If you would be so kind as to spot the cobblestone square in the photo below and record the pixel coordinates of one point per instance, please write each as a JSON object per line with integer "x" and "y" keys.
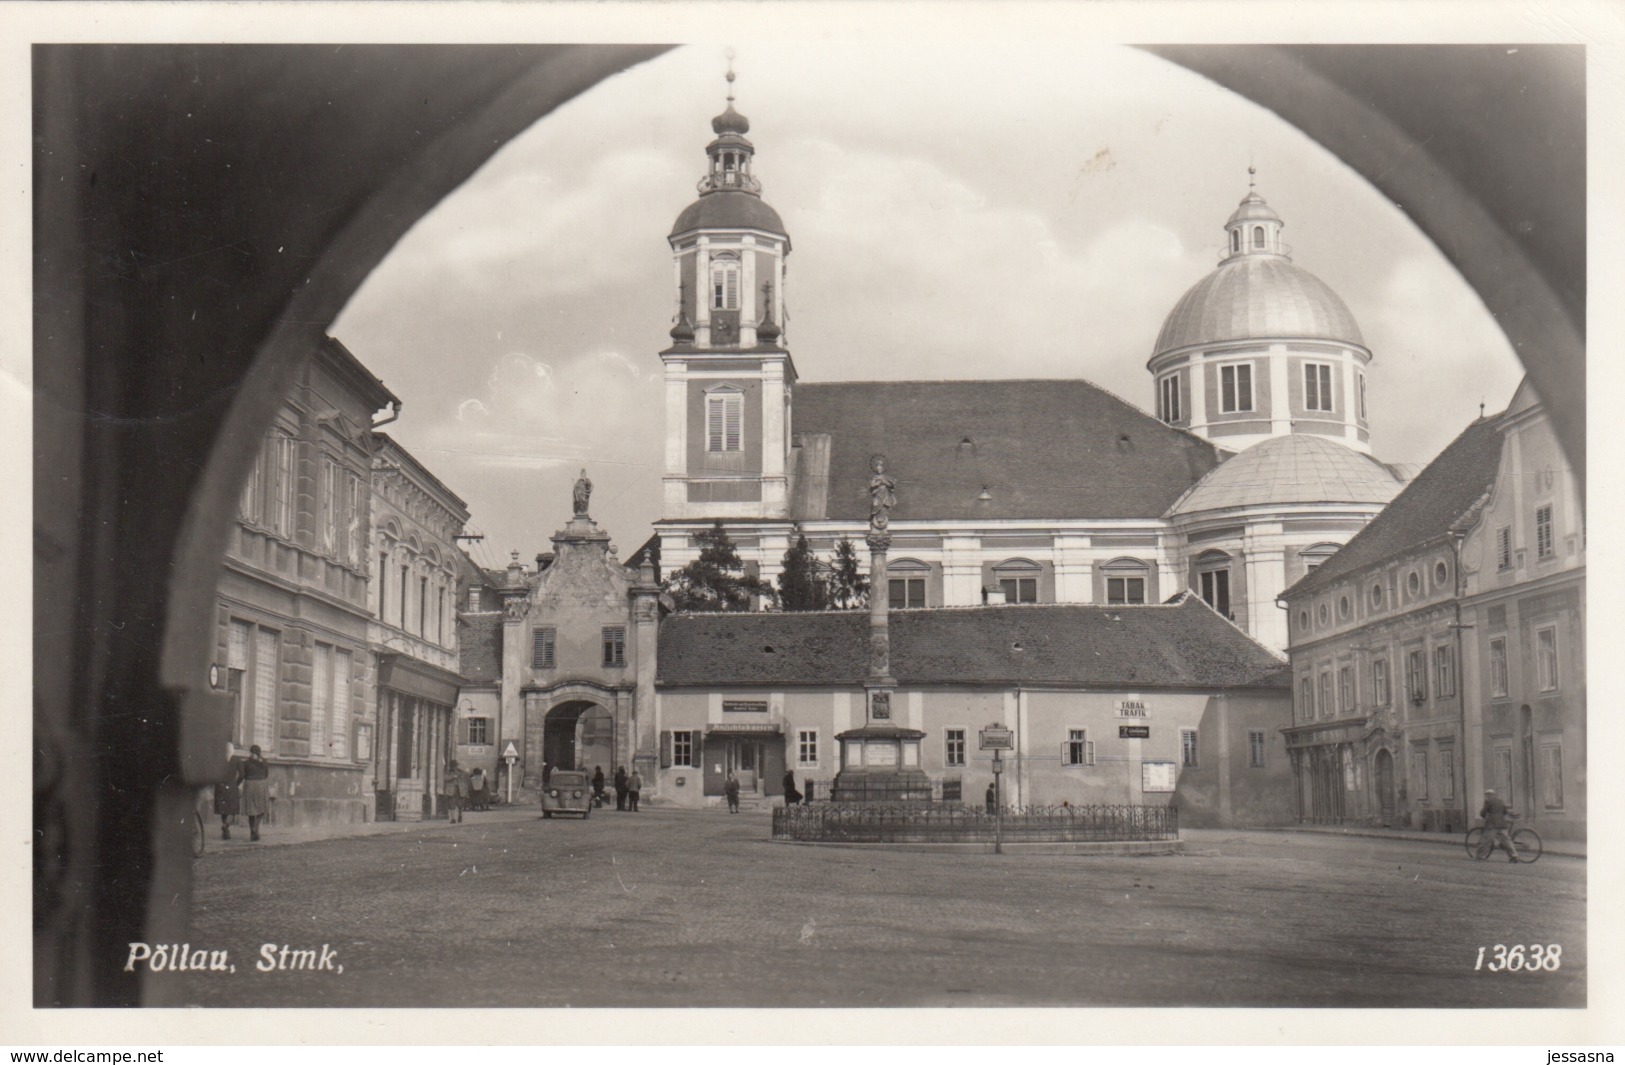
{"x": 673, "y": 908}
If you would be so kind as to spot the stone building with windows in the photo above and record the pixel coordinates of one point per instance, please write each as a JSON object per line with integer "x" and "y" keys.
{"x": 1257, "y": 463}
{"x": 294, "y": 647}
{"x": 560, "y": 660}
{"x": 416, "y": 566}
{"x": 1141, "y": 704}
{"x": 1442, "y": 650}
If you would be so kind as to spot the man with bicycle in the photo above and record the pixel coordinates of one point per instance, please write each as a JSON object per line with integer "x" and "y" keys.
{"x": 1496, "y": 823}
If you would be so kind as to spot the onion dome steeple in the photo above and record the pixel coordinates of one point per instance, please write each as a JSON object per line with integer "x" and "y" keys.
{"x": 730, "y": 195}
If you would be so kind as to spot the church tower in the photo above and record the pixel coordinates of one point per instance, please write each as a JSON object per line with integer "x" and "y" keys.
{"x": 729, "y": 376}
{"x": 1262, "y": 348}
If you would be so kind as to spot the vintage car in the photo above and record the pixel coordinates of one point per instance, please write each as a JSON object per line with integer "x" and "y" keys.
{"x": 567, "y": 792}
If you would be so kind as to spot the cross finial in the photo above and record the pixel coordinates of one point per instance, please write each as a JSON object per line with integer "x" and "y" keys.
{"x": 730, "y": 74}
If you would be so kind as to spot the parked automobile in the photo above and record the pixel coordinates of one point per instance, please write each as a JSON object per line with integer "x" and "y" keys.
{"x": 568, "y": 792}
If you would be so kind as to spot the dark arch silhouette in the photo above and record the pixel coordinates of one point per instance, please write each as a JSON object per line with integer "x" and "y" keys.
{"x": 202, "y": 213}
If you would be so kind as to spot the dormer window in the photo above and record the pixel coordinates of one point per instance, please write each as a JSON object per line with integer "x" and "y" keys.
{"x": 725, "y": 283}
{"x": 724, "y": 422}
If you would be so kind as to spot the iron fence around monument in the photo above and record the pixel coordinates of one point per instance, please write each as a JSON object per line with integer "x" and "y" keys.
{"x": 918, "y": 823}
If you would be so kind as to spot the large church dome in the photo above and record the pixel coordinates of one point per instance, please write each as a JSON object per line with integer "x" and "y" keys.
{"x": 1291, "y": 470}
{"x": 1251, "y": 297}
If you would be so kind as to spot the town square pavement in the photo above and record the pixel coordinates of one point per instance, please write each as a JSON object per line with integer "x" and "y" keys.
{"x": 699, "y": 908}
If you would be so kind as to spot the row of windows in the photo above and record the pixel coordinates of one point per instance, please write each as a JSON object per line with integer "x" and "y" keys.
{"x": 1077, "y": 750}
{"x": 253, "y": 671}
{"x": 397, "y": 595}
{"x": 1545, "y": 549}
{"x": 1419, "y": 671}
{"x": 1236, "y": 390}
{"x": 1445, "y": 775}
{"x": 544, "y": 642}
{"x": 269, "y": 497}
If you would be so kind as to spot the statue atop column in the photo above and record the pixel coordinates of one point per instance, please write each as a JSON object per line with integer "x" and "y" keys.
{"x": 582, "y": 493}
{"x": 882, "y": 495}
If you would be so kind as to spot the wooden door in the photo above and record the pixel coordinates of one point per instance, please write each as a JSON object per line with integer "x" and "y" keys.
{"x": 1385, "y": 786}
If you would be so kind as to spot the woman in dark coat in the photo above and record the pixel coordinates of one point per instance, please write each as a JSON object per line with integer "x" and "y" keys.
{"x": 255, "y": 775}
{"x": 227, "y": 794}
{"x": 598, "y": 784}
{"x": 792, "y": 797}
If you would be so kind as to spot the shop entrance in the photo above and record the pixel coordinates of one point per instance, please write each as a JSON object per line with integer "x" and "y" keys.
{"x": 756, "y": 761}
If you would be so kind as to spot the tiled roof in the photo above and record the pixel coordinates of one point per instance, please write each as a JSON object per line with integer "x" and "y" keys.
{"x": 1042, "y": 449}
{"x": 1253, "y": 297}
{"x": 1292, "y": 469}
{"x": 1445, "y": 490}
{"x": 1183, "y": 644}
{"x": 479, "y": 647}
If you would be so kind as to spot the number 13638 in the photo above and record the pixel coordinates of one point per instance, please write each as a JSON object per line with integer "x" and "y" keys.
{"x": 1519, "y": 958}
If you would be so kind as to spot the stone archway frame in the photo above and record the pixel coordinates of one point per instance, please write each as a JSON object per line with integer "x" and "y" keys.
{"x": 619, "y": 700}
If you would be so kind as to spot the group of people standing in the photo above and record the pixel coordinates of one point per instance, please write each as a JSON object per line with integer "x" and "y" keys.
{"x": 628, "y": 787}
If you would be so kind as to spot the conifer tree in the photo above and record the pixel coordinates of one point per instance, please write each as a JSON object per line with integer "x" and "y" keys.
{"x": 801, "y": 586}
{"x": 848, "y": 588}
{"x": 717, "y": 579}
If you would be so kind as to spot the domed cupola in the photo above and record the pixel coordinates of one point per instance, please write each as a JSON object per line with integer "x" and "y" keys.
{"x": 730, "y": 248}
{"x": 1261, "y": 347}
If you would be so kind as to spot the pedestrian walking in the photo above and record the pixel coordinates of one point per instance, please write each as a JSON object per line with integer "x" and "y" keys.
{"x": 228, "y": 801}
{"x": 479, "y": 798}
{"x": 731, "y": 790}
{"x": 254, "y": 781}
{"x": 598, "y": 785}
{"x": 993, "y": 798}
{"x": 456, "y": 794}
{"x": 634, "y": 785}
{"x": 792, "y": 797}
{"x": 620, "y": 788}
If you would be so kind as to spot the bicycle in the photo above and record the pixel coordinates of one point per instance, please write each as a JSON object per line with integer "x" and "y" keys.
{"x": 1525, "y": 841}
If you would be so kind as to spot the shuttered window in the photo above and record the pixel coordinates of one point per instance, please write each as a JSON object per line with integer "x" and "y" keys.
{"x": 265, "y": 689}
{"x": 725, "y": 422}
{"x": 542, "y": 648}
{"x": 321, "y": 700}
{"x": 338, "y": 737}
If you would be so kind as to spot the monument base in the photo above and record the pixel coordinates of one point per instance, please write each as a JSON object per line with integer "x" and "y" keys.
{"x": 882, "y": 784}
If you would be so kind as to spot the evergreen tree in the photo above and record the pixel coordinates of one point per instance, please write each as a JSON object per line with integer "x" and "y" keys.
{"x": 801, "y": 586}
{"x": 717, "y": 579}
{"x": 848, "y": 588}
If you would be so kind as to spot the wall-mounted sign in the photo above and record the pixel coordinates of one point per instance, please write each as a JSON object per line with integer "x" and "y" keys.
{"x": 997, "y": 738}
{"x": 744, "y": 708}
{"x": 1158, "y": 776}
{"x": 735, "y": 728}
{"x": 1131, "y": 708}
{"x": 1133, "y": 732}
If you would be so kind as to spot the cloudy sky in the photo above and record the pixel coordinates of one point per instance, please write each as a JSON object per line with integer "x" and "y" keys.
{"x": 955, "y": 211}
